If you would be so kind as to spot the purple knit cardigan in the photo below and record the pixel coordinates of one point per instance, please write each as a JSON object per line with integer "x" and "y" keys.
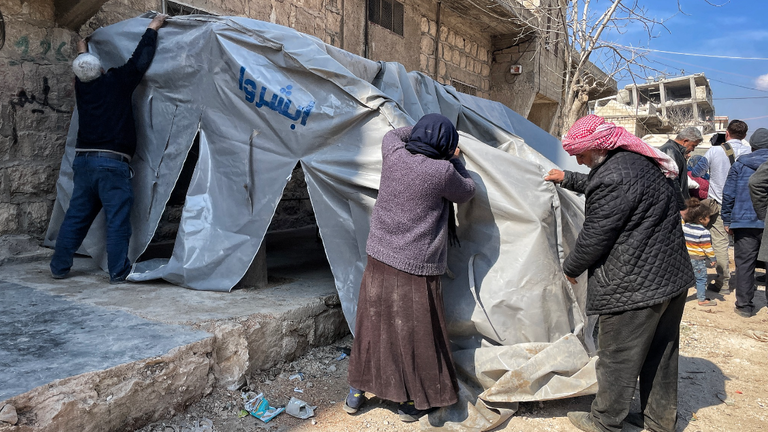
{"x": 409, "y": 221}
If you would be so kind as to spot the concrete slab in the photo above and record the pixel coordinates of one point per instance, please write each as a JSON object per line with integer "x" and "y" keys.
{"x": 295, "y": 260}
{"x": 47, "y": 337}
{"x": 81, "y": 354}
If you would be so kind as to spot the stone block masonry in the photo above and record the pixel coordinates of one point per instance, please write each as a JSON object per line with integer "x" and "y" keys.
{"x": 36, "y": 102}
{"x": 463, "y": 54}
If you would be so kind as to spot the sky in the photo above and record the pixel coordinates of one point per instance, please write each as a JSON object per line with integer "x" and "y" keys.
{"x": 738, "y": 28}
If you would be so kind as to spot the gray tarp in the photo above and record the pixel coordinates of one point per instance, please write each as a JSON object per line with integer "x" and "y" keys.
{"x": 263, "y": 97}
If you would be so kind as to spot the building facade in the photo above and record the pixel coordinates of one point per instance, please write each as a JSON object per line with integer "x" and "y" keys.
{"x": 661, "y": 106}
{"x": 504, "y": 50}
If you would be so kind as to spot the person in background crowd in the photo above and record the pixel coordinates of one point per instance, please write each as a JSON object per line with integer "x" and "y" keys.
{"x": 678, "y": 150}
{"x": 758, "y": 192}
{"x": 106, "y": 142}
{"x": 401, "y": 350}
{"x": 718, "y": 160}
{"x": 699, "y": 245}
{"x": 632, "y": 247}
{"x": 741, "y": 220}
{"x": 702, "y": 190}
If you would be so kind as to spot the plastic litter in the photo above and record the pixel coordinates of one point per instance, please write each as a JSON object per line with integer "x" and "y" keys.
{"x": 299, "y": 376}
{"x": 204, "y": 425}
{"x": 342, "y": 356}
{"x": 300, "y": 409}
{"x": 298, "y": 390}
{"x": 258, "y": 407}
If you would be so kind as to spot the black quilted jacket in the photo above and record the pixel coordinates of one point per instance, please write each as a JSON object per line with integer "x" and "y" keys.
{"x": 632, "y": 240}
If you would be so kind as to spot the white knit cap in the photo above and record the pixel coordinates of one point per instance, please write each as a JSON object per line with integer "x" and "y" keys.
{"x": 87, "y": 67}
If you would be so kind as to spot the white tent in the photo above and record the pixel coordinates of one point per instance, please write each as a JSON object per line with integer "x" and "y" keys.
{"x": 263, "y": 97}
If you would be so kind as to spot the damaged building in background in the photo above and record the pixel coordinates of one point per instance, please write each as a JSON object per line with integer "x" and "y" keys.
{"x": 661, "y": 106}
{"x": 503, "y": 50}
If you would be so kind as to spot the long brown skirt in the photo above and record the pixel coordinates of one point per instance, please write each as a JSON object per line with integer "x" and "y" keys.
{"x": 401, "y": 350}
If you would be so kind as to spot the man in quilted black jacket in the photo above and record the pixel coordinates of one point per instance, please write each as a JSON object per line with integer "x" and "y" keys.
{"x": 632, "y": 248}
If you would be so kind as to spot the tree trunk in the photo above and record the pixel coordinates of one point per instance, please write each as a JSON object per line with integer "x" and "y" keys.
{"x": 574, "y": 111}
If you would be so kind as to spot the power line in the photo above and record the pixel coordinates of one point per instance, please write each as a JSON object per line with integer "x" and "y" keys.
{"x": 700, "y": 67}
{"x": 714, "y": 79}
{"x": 723, "y": 82}
{"x": 735, "y": 98}
{"x": 686, "y": 54}
{"x": 755, "y": 118}
{"x": 736, "y": 85}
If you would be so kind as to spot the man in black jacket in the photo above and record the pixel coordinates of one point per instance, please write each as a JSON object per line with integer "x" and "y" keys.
{"x": 632, "y": 247}
{"x": 678, "y": 149}
{"x": 106, "y": 142}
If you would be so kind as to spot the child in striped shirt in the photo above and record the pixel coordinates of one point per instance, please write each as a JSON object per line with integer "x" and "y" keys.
{"x": 699, "y": 244}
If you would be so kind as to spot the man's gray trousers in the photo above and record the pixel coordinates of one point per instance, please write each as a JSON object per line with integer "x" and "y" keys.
{"x": 643, "y": 342}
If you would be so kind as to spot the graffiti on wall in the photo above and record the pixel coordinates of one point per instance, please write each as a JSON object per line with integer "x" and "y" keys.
{"x": 2, "y": 30}
{"x": 22, "y": 99}
{"x": 22, "y": 44}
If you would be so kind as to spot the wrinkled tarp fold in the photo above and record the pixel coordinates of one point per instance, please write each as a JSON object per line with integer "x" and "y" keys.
{"x": 262, "y": 98}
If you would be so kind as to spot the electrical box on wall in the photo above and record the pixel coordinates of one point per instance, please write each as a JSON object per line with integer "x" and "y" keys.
{"x": 516, "y": 69}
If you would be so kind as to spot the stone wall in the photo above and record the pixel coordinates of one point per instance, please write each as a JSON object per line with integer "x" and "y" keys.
{"x": 295, "y": 208}
{"x": 463, "y": 55}
{"x": 623, "y": 115}
{"x": 36, "y": 102}
{"x": 541, "y": 80}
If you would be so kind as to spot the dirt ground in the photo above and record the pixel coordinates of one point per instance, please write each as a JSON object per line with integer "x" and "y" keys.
{"x": 723, "y": 386}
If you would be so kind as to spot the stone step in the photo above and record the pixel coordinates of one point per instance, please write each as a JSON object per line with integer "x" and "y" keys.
{"x": 80, "y": 354}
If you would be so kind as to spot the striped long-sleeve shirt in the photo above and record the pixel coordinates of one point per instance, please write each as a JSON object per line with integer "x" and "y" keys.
{"x": 699, "y": 242}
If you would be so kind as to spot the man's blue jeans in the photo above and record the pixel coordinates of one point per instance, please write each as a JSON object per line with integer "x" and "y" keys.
{"x": 99, "y": 182}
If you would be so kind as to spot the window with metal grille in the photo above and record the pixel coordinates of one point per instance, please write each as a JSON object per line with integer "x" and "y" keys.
{"x": 175, "y": 9}
{"x": 387, "y": 13}
{"x": 464, "y": 88}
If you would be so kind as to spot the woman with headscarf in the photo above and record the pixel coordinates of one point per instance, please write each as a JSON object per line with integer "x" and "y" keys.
{"x": 401, "y": 350}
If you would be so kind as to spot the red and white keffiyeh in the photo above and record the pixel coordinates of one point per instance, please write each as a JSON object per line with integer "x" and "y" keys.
{"x": 593, "y": 132}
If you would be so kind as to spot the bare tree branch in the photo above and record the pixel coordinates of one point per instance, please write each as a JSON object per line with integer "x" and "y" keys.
{"x": 582, "y": 26}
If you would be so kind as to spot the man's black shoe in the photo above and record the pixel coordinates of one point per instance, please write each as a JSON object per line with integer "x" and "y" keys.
{"x": 583, "y": 421}
{"x": 59, "y": 276}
